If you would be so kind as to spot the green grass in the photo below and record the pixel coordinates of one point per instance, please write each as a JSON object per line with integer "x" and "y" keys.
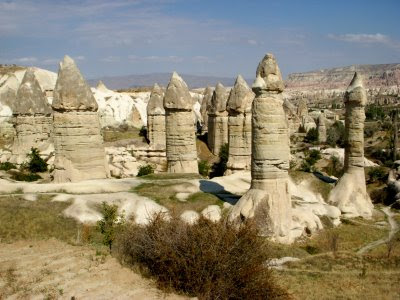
{"x": 166, "y": 176}
{"x": 317, "y": 185}
{"x": 164, "y": 193}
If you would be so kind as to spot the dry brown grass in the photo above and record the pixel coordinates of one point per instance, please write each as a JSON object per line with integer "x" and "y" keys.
{"x": 208, "y": 260}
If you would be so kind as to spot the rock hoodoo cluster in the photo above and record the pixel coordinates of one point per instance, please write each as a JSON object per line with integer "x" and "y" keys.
{"x": 156, "y": 119}
{"x": 180, "y": 131}
{"x": 350, "y": 194}
{"x": 32, "y": 119}
{"x": 218, "y": 120}
{"x": 268, "y": 199}
{"x": 79, "y": 148}
{"x": 239, "y": 126}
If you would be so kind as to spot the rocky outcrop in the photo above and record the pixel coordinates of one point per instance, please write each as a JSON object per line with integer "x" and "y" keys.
{"x": 205, "y": 107}
{"x": 156, "y": 119}
{"x": 324, "y": 88}
{"x": 322, "y": 128}
{"x": 306, "y": 121}
{"x": 268, "y": 200}
{"x": 350, "y": 194}
{"x": 79, "y": 149}
{"x": 239, "y": 126}
{"x": 180, "y": 130}
{"x": 32, "y": 119}
{"x": 218, "y": 120}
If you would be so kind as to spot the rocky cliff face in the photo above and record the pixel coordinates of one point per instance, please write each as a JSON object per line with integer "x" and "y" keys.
{"x": 326, "y": 87}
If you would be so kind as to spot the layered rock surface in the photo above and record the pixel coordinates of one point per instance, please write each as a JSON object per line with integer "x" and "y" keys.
{"x": 350, "y": 194}
{"x": 322, "y": 128}
{"x": 218, "y": 120}
{"x": 268, "y": 199}
{"x": 156, "y": 119}
{"x": 32, "y": 119}
{"x": 79, "y": 149}
{"x": 180, "y": 131}
{"x": 239, "y": 126}
{"x": 205, "y": 107}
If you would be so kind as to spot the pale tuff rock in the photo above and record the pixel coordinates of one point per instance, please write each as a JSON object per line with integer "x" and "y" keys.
{"x": 205, "y": 107}
{"x": 79, "y": 149}
{"x": 307, "y": 122}
{"x": 180, "y": 130}
{"x": 32, "y": 119}
{"x": 268, "y": 199}
{"x": 156, "y": 119}
{"x": 72, "y": 93}
{"x": 322, "y": 128}
{"x": 239, "y": 126}
{"x": 291, "y": 116}
{"x": 102, "y": 87}
{"x": 350, "y": 194}
{"x": 218, "y": 120}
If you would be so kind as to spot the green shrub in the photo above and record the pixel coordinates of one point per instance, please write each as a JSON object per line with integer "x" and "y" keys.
{"x": 210, "y": 260}
{"x": 145, "y": 170}
{"x": 374, "y": 112}
{"x": 377, "y": 174}
{"x": 204, "y": 168}
{"x": 6, "y": 166}
{"x": 23, "y": 176}
{"x": 219, "y": 168}
{"x": 110, "y": 223}
{"x": 311, "y": 158}
{"x": 36, "y": 163}
{"x": 336, "y": 134}
{"x": 311, "y": 136}
{"x": 143, "y": 131}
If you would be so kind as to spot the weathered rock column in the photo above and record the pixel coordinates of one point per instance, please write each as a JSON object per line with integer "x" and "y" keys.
{"x": 156, "y": 119}
{"x": 239, "y": 126}
{"x": 218, "y": 120}
{"x": 32, "y": 119}
{"x": 268, "y": 199}
{"x": 79, "y": 148}
{"x": 180, "y": 129}
{"x": 322, "y": 128}
{"x": 350, "y": 194}
{"x": 205, "y": 106}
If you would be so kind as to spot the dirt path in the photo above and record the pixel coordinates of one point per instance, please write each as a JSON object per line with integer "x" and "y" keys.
{"x": 394, "y": 227}
{"x": 55, "y": 270}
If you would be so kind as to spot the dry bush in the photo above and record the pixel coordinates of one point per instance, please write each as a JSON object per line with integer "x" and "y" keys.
{"x": 208, "y": 260}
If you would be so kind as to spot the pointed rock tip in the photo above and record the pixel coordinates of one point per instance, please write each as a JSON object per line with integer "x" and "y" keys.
{"x": 269, "y": 71}
{"x": 355, "y": 82}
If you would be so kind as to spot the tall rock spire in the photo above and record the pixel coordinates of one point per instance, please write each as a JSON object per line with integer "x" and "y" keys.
{"x": 180, "y": 131}
{"x": 268, "y": 199}
{"x": 156, "y": 118}
{"x": 218, "y": 120}
{"x": 350, "y": 194}
{"x": 79, "y": 147}
{"x": 239, "y": 126}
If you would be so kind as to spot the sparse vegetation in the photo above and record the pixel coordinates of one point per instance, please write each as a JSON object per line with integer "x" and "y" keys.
{"x": 36, "y": 163}
{"x": 377, "y": 174}
{"x": 110, "y": 223}
{"x": 6, "y": 166}
{"x": 145, "y": 170}
{"x": 219, "y": 168}
{"x": 311, "y": 158}
{"x": 208, "y": 260}
{"x": 335, "y": 135}
{"x": 311, "y": 136}
{"x": 204, "y": 168}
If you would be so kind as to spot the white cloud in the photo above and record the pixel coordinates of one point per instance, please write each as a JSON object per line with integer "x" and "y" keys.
{"x": 155, "y": 58}
{"x": 252, "y": 42}
{"x": 364, "y": 38}
{"x": 79, "y": 57}
{"x": 110, "y": 59}
{"x": 25, "y": 60}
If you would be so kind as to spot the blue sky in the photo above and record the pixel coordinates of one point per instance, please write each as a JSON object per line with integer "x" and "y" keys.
{"x": 200, "y": 37}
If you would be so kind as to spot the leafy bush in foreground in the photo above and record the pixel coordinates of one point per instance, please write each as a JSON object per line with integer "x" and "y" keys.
{"x": 36, "y": 163}
{"x": 6, "y": 166}
{"x": 208, "y": 260}
{"x": 204, "y": 168}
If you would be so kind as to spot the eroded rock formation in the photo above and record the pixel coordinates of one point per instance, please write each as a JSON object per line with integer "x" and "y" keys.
{"x": 350, "y": 194}
{"x": 180, "y": 129}
{"x": 239, "y": 126}
{"x": 32, "y": 119}
{"x": 79, "y": 148}
{"x": 322, "y": 128}
{"x": 156, "y": 119}
{"x": 268, "y": 199}
{"x": 218, "y": 120}
{"x": 205, "y": 106}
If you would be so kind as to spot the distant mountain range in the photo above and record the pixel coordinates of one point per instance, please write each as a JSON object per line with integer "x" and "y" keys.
{"x": 130, "y": 81}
